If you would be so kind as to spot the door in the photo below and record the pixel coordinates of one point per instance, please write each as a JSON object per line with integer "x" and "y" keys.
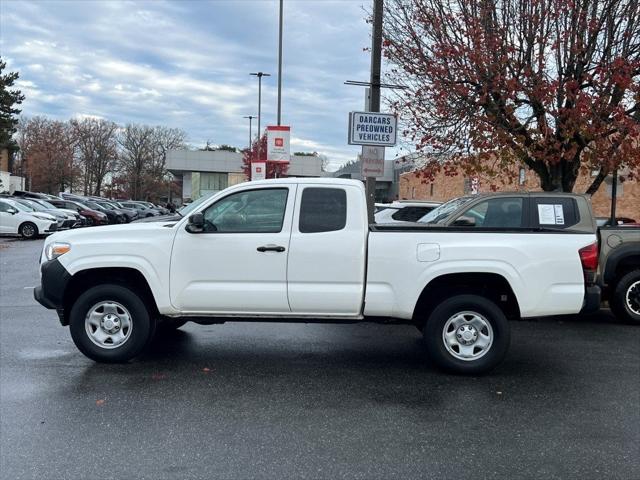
{"x": 8, "y": 221}
{"x": 238, "y": 264}
{"x": 327, "y": 252}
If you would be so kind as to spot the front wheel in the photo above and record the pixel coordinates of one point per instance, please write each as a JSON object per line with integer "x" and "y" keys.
{"x": 28, "y": 230}
{"x": 110, "y": 323}
{"x": 625, "y": 301}
{"x": 467, "y": 334}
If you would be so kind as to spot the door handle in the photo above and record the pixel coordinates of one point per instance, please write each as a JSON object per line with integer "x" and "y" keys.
{"x": 271, "y": 248}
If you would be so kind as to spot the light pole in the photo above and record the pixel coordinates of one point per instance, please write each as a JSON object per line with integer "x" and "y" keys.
{"x": 280, "y": 66}
{"x": 259, "y": 75}
{"x": 250, "y": 117}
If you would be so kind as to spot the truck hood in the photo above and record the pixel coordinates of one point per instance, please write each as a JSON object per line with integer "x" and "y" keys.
{"x": 112, "y": 233}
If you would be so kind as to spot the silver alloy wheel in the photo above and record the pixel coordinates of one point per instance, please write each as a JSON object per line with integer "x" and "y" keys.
{"x": 467, "y": 335}
{"x": 632, "y": 297}
{"x": 28, "y": 230}
{"x": 108, "y": 324}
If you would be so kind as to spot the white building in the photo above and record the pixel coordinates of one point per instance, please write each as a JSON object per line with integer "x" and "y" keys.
{"x": 205, "y": 172}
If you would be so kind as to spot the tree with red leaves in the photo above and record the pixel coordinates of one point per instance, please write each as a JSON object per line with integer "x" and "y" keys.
{"x": 274, "y": 169}
{"x": 552, "y": 85}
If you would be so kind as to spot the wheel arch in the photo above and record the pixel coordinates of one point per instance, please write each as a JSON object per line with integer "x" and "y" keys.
{"x": 621, "y": 261}
{"x": 128, "y": 277}
{"x": 491, "y": 286}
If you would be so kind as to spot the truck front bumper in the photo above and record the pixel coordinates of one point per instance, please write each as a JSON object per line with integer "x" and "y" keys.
{"x": 591, "y": 302}
{"x": 50, "y": 294}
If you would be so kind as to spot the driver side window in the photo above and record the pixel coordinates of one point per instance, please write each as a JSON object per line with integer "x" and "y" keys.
{"x": 252, "y": 211}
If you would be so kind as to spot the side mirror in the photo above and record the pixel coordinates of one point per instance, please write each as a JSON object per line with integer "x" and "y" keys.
{"x": 12, "y": 211}
{"x": 465, "y": 222}
{"x": 196, "y": 223}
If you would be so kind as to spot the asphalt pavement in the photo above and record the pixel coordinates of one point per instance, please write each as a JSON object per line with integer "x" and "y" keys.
{"x": 276, "y": 401}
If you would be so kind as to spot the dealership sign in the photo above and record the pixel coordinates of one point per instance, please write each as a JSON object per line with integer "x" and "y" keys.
{"x": 278, "y": 144}
{"x": 372, "y": 161}
{"x": 258, "y": 170}
{"x": 370, "y": 128}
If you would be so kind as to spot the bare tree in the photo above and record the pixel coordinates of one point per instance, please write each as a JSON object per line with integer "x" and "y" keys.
{"x": 47, "y": 154}
{"x": 143, "y": 158}
{"x": 97, "y": 146}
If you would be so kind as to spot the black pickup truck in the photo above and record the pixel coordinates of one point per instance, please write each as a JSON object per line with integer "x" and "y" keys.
{"x": 619, "y": 268}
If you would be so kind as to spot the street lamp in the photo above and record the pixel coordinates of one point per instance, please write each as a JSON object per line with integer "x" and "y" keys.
{"x": 259, "y": 75}
{"x": 250, "y": 117}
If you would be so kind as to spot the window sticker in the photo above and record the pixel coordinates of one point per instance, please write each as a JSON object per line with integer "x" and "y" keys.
{"x": 550, "y": 215}
{"x": 546, "y": 215}
{"x": 559, "y": 211}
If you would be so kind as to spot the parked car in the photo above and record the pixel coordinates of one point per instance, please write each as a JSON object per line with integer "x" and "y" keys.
{"x": 113, "y": 216}
{"x": 295, "y": 249}
{"x": 78, "y": 220}
{"x": 142, "y": 210}
{"x": 16, "y": 219}
{"x": 148, "y": 206}
{"x": 403, "y": 211}
{"x": 619, "y": 270}
{"x": 160, "y": 209}
{"x": 126, "y": 215}
{"x": 64, "y": 220}
{"x": 93, "y": 217}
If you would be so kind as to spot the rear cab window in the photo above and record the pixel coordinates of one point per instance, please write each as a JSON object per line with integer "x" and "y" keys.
{"x": 554, "y": 212}
{"x": 322, "y": 210}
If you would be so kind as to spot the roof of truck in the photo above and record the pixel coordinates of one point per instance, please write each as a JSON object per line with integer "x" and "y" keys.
{"x": 309, "y": 180}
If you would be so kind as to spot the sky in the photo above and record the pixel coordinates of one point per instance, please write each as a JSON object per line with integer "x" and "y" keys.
{"x": 186, "y": 64}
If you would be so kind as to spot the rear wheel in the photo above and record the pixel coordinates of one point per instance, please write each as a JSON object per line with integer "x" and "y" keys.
{"x": 110, "y": 323}
{"x": 467, "y": 334}
{"x": 28, "y": 230}
{"x": 625, "y": 301}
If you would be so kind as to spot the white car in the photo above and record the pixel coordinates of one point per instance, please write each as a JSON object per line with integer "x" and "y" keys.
{"x": 16, "y": 219}
{"x": 403, "y": 211}
{"x": 302, "y": 250}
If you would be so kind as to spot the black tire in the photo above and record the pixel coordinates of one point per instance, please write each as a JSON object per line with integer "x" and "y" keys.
{"x": 28, "y": 230}
{"x": 627, "y": 286}
{"x": 142, "y": 324}
{"x": 485, "y": 311}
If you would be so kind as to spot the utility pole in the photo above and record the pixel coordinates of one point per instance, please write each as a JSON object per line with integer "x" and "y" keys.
{"x": 374, "y": 101}
{"x": 259, "y": 75}
{"x": 280, "y": 67}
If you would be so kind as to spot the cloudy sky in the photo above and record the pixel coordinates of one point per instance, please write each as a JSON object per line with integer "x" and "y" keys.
{"x": 186, "y": 64}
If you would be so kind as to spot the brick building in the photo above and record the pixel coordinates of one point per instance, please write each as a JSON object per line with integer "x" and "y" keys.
{"x": 413, "y": 187}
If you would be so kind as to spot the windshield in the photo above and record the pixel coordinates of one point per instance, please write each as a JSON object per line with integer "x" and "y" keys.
{"x": 187, "y": 209}
{"x": 93, "y": 205}
{"x": 46, "y": 204}
{"x": 35, "y": 205}
{"x": 21, "y": 207}
{"x": 439, "y": 214}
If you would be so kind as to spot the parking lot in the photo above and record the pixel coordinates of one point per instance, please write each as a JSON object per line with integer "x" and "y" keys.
{"x": 262, "y": 400}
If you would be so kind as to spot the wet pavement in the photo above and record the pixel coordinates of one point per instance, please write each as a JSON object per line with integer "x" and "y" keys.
{"x": 274, "y": 401}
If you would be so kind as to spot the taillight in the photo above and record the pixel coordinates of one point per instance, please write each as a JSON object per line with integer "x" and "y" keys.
{"x": 589, "y": 259}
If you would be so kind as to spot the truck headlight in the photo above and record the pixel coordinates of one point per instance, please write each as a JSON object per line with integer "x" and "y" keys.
{"x": 55, "y": 249}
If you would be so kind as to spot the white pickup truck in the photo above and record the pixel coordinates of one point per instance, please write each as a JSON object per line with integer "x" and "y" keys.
{"x": 301, "y": 250}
